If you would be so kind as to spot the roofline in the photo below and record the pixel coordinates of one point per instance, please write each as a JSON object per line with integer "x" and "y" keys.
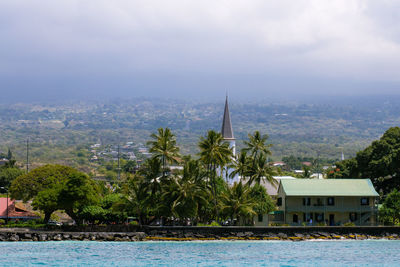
{"x": 376, "y": 194}
{"x": 332, "y": 195}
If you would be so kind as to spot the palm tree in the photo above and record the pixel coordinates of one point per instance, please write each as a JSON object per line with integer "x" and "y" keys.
{"x": 214, "y": 152}
{"x": 237, "y": 202}
{"x": 164, "y": 147}
{"x": 261, "y": 171}
{"x": 151, "y": 172}
{"x": 135, "y": 198}
{"x": 153, "y": 183}
{"x": 183, "y": 197}
{"x": 241, "y": 165}
{"x": 257, "y": 144}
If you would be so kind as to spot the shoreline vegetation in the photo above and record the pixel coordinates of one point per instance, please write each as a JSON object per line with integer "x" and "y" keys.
{"x": 209, "y": 234}
{"x": 171, "y": 189}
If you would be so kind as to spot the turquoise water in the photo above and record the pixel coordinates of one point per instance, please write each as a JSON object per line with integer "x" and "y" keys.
{"x": 221, "y": 253}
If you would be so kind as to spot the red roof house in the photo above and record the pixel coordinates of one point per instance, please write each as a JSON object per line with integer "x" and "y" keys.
{"x": 15, "y": 211}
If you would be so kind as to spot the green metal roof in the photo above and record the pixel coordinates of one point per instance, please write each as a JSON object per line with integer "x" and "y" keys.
{"x": 328, "y": 187}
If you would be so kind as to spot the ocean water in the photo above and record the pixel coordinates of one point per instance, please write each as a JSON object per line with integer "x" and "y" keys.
{"x": 207, "y": 253}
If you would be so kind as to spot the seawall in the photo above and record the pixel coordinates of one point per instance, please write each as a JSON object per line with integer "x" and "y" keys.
{"x": 201, "y": 233}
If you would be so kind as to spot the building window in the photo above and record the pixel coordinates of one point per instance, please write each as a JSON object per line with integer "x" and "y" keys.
{"x": 279, "y": 202}
{"x": 307, "y": 217}
{"x": 331, "y": 201}
{"x": 319, "y": 217}
{"x": 365, "y": 201}
{"x": 306, "y": 201}
{"x": 260, "y": 217}
{"x": 319, "y": 202}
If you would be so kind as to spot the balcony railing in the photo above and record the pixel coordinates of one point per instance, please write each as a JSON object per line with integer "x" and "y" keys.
{"x": 331, "y": 209}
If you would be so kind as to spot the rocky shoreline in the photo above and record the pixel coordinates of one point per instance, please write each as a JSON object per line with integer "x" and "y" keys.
{"x": 193, "y": 234}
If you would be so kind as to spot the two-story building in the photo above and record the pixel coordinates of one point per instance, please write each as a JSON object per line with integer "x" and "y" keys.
{"x": 327, "y": 202}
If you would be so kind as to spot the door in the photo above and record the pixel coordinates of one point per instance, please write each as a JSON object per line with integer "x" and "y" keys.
{"x": 331, "y": 219}
{"x": 295, "y": 218}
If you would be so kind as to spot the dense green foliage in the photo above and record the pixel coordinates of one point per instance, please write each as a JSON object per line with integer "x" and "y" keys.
{"x": 55, "y": 187}
{"x": 7, "y": 175}
{"x": 390, "y": 210}
{"x": 197, "y": 193}
{"x": 380, "y": 162}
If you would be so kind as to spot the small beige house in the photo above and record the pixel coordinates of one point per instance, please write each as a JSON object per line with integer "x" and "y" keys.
{"x": 326, "y": 202}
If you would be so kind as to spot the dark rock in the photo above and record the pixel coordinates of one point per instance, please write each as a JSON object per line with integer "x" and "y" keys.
{"x": 140, "y": 235}
{"x": 110, "y": 237}
{"x": 14, "y": 238}
{"x": 66, "y": 236}
{"x": 188, "y": 235}
{"x": 3, "y": 238}
{"x": 102, "y": 236}
{"x": 76, "y": 237}
{"x": 28, "y": 236}
{"x": 42, "y": 237}
{"x": 248, "y": 233}
{"x": 57, "y": 237}
{"x": 282, "y": 235}
{"x": 324, "y": 234}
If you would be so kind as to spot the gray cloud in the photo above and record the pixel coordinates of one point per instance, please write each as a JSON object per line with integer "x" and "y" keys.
{"x": 187, "y": 47}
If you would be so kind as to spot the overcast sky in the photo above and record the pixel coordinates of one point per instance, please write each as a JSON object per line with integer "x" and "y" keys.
{"x": 250, "y": 48}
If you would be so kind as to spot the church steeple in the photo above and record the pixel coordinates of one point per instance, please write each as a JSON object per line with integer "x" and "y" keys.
{"x": 226, "y": 131}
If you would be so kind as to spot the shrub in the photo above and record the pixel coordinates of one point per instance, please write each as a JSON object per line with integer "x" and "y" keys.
{"x": 279, "y": 224}
{"x": 134, "y": 223}
{"x": 349, "y": 224}
{"x": 213, "y": 224}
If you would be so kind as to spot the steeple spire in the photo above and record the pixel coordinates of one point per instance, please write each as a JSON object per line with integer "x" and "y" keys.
{"x": 226, "y": 131}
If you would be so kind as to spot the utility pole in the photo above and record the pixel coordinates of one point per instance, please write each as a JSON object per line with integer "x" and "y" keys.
{"x": 27, "y": 155}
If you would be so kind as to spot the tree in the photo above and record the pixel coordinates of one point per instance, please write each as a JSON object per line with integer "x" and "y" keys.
{"x": 146, "y": 188}
{"x": 306, "y": 172}
{"x": 186, "y": 192}
{"x": 261, "y": 171}
{"x": 104, "y": 212}
{"x": 54, "y": 187}
{"x": 135, "y": 199}
{"x": 390, "y": 211}
{"x": 237, "y": 202}
{"x": 151, "y": 171}
{"x": 93, "y": 213}
{"x": 27, "y": 186}
{"x": 129, "y": 166}
{"x": 9, "y": 154}
{"x": 214, "y": 152}
{"x": 7, "y": 175}
{"x": 47, "y": 201}
{"x": 380, "y": 162}
{"x": 264, "y": 203}
{"x": 183, "y": 197}
{"x": 241, "y": 165}
{"x": 77, "y": 192}
{"x": 257, "y": 144}
{"x": 164, "y": 147}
